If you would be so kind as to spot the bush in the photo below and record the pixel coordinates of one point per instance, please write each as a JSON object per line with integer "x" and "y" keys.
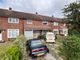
{"x": 71, "y": 48}
{"x": 20, "y": 41}
{"x": 74, "y": 32}
{"x": 16, "y": 50}
{"x": 9, "y": 53}
{"x": 12, "y": 53}
{"x": 2, "y": 52}
{"x": 42, "y": 37}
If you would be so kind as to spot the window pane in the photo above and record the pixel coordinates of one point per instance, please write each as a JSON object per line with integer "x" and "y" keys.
{"x": 36, "y": 43}
{"x": 55, "y": 23}
{"x": 13, "y": 33}
{"x": 29, "y": 21}
{"x": 13, "y": 20}
{"x": 45, "y": 22}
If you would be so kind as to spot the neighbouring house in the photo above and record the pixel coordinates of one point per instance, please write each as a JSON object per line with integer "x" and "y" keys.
{"x": 14, "y": 23}
{"x": 59, "y": 27}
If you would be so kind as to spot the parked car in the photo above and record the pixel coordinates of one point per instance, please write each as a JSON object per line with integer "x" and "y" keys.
{"x": 35, "y": 47}
{"x": 50, "y": 37}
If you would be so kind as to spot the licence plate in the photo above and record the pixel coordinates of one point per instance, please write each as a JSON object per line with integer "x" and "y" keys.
{"x": 40, "y": 54}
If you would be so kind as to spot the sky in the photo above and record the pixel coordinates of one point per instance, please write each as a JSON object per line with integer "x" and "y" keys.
{"x": 43, "y": 7}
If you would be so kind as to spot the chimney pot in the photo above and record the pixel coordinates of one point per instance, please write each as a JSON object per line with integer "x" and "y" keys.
{"x": 10, "y": 8}
{"x": 36, "y": 12}
{"x": 52, "y": 16}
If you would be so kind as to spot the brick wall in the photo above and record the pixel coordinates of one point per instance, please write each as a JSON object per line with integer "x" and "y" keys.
{"x": 22, "y": 23}
{"x": 5, "y": 25}
{"x": 36, "y": 23}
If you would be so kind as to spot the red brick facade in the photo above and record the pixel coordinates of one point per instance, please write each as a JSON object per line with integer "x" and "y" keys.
{"x": 5, "y": 25}
{"x": 37, "y": 25}
{"x": 22, "y": 25}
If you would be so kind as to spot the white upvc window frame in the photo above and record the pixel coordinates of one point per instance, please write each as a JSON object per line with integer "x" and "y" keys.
{"x": 29, "y": 21}
{"x": 55, "y": 23}
{"x": 12, "y": 33}
{"x": 45, "y": 22}
{"x": 56, "y": 31}
{"x": 13, "y": 20}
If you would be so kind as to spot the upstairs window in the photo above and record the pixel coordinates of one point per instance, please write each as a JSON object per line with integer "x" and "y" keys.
{"x": 29, "y": 21}
{"x": 45, "y": 22}
{"x": 13, "y": 20}
{"x": 55, "y": 23}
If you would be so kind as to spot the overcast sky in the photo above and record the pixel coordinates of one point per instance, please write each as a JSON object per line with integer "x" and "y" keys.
{"x": 43, "y": 7}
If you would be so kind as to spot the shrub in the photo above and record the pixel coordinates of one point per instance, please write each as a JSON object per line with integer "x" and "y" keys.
{"x": 2, "y": 52}
{"x": 74, "y": 32}
{"x": 20, "y": 41}
{"x": 16, "y": 50}
{"x": 71, "y": 48}
{"x": 12, "y": 53}
{"x": 9, "y": 52}
{"x": 42, "y": 37}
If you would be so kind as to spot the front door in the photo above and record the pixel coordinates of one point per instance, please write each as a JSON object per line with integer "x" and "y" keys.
{"x": 0, "y": 36}
{"x": 29, "y": 34}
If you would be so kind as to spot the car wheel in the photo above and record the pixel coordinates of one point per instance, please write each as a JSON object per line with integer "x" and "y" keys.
{"x": 33, "y": 56}
{"x": 48, "y": 51}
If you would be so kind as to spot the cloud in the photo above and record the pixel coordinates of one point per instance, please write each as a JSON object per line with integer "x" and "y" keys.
{"x": 43, "y": 7}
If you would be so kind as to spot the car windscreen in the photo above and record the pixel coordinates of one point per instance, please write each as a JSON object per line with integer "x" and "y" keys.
{"x": 36, "y": 43}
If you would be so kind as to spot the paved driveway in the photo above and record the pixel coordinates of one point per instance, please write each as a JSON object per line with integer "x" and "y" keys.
{"x": 49, "y": 57}
{"x": 46, "y": 57}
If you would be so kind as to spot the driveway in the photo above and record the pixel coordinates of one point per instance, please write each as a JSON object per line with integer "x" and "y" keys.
{"x": 49, "y": 57}
{"x": 46, "y": 57}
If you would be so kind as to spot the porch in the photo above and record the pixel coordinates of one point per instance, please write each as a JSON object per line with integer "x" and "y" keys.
{"x": 34, "y": 31}
{"x": 30, "y": 34}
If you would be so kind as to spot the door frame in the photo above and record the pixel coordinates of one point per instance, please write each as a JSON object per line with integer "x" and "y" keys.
{"x": 26, "y": 36}
{"x": 0, "y": 36}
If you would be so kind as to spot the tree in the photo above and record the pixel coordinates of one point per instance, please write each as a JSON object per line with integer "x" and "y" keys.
{"x": 71, "y": 48}
{"x": 72, "y": 12}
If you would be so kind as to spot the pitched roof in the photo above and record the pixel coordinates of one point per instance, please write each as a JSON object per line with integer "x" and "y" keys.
{"x": 57, "y": 19}
{"x": 17, "y": 14}
{"x": 11, "y": 13}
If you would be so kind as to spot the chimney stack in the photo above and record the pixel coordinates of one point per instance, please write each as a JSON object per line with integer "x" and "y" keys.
{"x": 10, "y": 8}
{"x": 36, "y": 12}
{"x": 52, "y": 16}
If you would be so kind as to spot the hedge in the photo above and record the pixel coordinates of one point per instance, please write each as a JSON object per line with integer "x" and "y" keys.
{"x": 71, "y": 48}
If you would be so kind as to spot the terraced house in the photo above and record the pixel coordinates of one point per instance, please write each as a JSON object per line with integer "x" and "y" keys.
{"x": 14, "y": 23}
